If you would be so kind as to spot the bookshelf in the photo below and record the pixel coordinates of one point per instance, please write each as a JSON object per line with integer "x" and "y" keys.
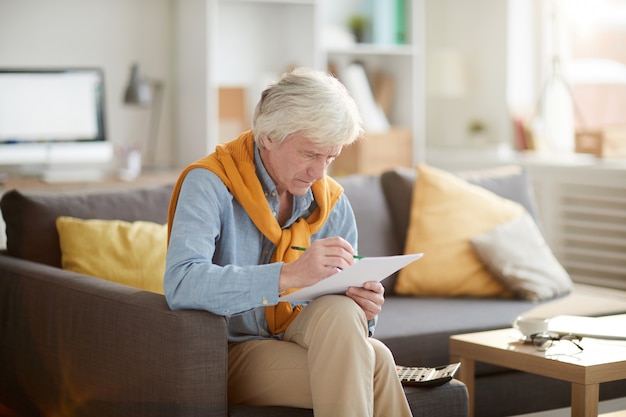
{"x": 402, "y": 61}
{"x": 244, "y": 44}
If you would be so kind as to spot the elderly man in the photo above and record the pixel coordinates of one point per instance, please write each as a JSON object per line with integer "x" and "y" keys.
{"x": 233, "y": 220}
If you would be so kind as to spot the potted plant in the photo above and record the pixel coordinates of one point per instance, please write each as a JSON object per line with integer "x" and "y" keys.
{"x": 357, "y": 24}
{"x": 477, "y": 129}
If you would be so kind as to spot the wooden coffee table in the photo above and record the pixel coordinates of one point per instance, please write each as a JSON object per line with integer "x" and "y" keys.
{"x": 601, "y": 361}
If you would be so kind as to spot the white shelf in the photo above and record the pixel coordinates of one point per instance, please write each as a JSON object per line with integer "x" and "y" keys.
{"x": 310, "y": 2}
{"x": 373, "y": 49}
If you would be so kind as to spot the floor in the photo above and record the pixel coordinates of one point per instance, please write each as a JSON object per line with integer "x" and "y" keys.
{"x": 610, "y": 408}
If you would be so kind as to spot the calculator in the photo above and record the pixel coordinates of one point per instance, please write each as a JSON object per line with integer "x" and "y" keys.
{"x": 426, "y": 376}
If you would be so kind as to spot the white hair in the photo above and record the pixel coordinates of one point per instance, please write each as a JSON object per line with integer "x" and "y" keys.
{"x": 308, "y": 102}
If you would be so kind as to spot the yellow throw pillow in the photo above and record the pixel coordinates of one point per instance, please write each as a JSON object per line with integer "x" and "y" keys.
{"x": 132, "y": 254}
{"x": 446, "y": 212}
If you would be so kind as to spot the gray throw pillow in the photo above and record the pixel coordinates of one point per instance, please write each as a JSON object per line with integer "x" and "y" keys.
{"x": 516, "y": 253}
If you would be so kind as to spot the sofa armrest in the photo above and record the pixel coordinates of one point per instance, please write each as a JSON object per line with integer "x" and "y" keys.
{"x": 78, "y": 345}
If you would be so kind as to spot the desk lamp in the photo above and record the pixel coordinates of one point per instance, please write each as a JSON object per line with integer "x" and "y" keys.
{"x": 146, "y": 93}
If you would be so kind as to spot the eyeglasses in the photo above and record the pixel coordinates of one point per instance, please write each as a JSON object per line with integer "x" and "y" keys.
{"x": 543, "y": 341}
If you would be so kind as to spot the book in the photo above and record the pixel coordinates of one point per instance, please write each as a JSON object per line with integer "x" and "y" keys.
{"x": 521, "y": 143}
{"x": 355, "y": 79}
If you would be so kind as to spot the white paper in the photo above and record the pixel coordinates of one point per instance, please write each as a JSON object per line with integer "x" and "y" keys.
{"x": 362, "y": 271}
{"x": 608, "y": 327}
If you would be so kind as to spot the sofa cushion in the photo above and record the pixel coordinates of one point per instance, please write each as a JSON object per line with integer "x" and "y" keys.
{"x": 128, "y": 253}
{"x": 417, "y": 329}
{"x": 517, "y": 254}
{"x": 446, "y": 212}
{"x": 448, "y": 400}
{"x": 376, "y": 234}
{"x": 374, "y": 223}
{"x": 30, "y": 218}
{"x": 510, "y": 182}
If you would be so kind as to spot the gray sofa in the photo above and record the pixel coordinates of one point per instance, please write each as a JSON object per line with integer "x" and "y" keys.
{"x": 77, "y": 345}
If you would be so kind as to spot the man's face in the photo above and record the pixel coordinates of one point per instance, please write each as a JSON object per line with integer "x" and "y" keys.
{"x": 297, "y": 163}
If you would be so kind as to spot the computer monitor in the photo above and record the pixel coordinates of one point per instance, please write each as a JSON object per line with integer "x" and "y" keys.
{"x": 53, "y": 119}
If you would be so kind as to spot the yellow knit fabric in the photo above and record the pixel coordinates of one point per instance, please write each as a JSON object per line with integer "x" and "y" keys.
{"x": 233, "y": 162}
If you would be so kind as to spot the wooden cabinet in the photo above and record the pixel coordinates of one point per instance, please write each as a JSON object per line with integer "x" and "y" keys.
{"x": 375, "y": 153}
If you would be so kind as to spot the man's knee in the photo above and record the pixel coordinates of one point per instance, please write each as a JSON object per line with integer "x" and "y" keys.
{"x": 338, "y": 307}
{"x": 383, "y": 355}
{"x": 335, "y": 315}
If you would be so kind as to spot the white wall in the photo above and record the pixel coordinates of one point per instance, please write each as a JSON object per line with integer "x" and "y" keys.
{"x": 195, "y": 33}
{"x": 475, "y": 30}
{"x": 111, "y": 34}
{"x": 170, "y": 39}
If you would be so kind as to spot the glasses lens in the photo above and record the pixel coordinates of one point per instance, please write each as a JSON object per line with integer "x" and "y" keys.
{"x": 542, "y": 341}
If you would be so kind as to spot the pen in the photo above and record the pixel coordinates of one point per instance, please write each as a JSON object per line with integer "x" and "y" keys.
{"x": 303, "y": 249}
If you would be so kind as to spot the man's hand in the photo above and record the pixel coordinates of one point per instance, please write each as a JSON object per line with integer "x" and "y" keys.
{"x": 324, "y": 258}
{"x": 370, "y": 297}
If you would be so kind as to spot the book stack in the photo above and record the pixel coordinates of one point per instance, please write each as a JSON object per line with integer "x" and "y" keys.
{"x": 388, "y": 18}
{"x": 355, "y": 79}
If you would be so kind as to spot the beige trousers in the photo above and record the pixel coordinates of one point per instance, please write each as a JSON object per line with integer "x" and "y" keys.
{"x": 326, "y": 361}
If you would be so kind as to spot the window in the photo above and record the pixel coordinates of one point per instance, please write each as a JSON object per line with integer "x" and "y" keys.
{"x": 566, "y": 70}
{"x": 595, "y": 53}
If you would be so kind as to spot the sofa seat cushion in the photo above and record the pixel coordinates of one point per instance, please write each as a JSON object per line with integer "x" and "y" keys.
{"x": 30, "y": 218}
{"x": 584, "y": 300}
{"x": 450, "y": 400}
{"x": 417, "y": 330}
